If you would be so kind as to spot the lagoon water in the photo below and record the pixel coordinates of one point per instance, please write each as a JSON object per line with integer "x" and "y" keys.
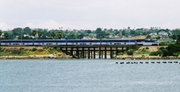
{"x": 87, "y": 76}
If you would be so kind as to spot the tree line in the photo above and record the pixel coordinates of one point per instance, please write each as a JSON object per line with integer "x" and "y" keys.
{"x": 99, "y": 33}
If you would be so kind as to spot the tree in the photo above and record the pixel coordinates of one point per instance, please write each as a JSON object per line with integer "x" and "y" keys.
{"x": 39, "y": 34}
{"x": 0, "y": 33}
{"x": 80, "y": 36}
{"x": 53, "y": 34}
{"x": 17, "y": 32}
{"x": 71, "y": 36}
{"x": 176, "y": 32}
{"x": 165, "y": 52}
{"x": 178, "y": 40}
{"x": 6, "y": 35}
{"x": 99, "y": 33}
{"x": 34, "y": 33}
{"x": 60, "y": 35}
{"x": 27, "y": 30}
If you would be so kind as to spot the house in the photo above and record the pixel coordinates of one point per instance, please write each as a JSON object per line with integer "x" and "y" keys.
{"x": 153, "y": 35}
{"x": 163, "y": 35}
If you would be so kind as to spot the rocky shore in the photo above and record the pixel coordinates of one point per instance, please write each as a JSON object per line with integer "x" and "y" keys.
{"x": 37, "y": 57}
{"x": 70, "y": 57}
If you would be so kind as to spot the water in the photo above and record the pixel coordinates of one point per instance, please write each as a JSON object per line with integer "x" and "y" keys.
{"x": 87, "y": 76}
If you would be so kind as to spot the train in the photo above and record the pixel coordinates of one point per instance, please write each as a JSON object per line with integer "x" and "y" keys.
{"x": 76, "y": 42}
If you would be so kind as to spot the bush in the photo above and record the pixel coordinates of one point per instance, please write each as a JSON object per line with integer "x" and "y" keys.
{"x": 147, "y": 48}
{"x": 175, "y": 54}
{"x": 165, "y": 52}
{"x": 34, "y": 49}
{"x": 155, "y": 53}
{"x": 58, "y": 49}
{"x": 45, "y": 47}
{"x": 134, "y": 47}
{"x": 1, "y": 49}
{"x": 173, "y": 48}
{"x": 131, "y": 52}
{"x": 16, "y": 52}
{"x": 121, "y": 53}
{"x": 52, "y": 50}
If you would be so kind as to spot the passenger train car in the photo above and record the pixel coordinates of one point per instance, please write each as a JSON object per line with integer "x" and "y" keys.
{"x": 75, "y": 42}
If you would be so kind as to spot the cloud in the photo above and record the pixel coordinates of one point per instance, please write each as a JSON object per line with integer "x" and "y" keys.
{"x": 91, "y": 13}
{"x": 4, "y": 26}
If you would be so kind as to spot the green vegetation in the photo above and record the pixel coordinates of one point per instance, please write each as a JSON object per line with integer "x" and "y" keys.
{"x": 121, "y": 53}
{"x": 173, "y": 49}
{"x": 143, "y": 51}
{"x": 27, "y": 52}
{"x": 165, "y": 43}
{"x": 34, "y": 49}
{"x": 99, "y": 33}
{"x": 130, "y": 52}
{"x": 155, "y": 53}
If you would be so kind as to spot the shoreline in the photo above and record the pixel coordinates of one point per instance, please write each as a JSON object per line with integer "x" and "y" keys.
{"x": 37, "y": 57}
{"x": 70, "y": 57}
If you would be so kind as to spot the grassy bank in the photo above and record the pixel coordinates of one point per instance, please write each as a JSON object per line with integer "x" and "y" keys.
{"x": 18, "y": 52}
{"x": 148, "y": 52}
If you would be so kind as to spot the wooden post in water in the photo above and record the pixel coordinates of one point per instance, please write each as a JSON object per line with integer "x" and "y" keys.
{"x": 99, "y": 52}
{"x": 91, "y": 53}
{"x": 94, "y": 53}
{"x": 77, "y": 54}
{"x": 116, "y": 51}
{"x": 71, "y": 51}
{"x": 66, "y": 49}
{"x": 105, "y": 52}
{"x": 88, "y": 53}
{"x": 111, "y": 53}
{"x": 83, "y": 52}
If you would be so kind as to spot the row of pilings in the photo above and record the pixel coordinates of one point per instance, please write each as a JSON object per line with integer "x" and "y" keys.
{"x": 93, "y": 52}
{"x": 150, "y": 62}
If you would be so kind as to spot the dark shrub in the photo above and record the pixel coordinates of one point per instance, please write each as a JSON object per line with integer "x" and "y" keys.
{"x": 34, "y": 49}
{"x": 156, "y": 53}
{"x": 131, "y": 52}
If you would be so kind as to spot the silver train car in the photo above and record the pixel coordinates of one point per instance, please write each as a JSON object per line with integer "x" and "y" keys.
{"x": 75, "y": 42}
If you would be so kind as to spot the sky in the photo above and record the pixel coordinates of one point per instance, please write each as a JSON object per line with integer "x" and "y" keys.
{"x": 89, "y": 14}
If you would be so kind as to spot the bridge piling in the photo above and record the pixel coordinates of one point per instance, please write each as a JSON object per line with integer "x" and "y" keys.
{"x": 105, "y": 52}
{"x": 111, "y": 53}
{"x": 102, "y": 52}
{"x": 88, "y": 53}
{"x": 116, "y": 51}
{"x": 77, "y": 52}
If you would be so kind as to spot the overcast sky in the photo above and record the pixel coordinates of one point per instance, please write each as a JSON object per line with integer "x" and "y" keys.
{"x": 89, "y": 14}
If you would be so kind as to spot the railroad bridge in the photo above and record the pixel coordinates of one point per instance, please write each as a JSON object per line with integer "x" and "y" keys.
{"x": 93, "y": 51}
{"x": 84, "y": 48}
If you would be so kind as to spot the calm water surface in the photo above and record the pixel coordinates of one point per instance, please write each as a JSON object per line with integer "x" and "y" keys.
{"x": 87, "y": 76}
